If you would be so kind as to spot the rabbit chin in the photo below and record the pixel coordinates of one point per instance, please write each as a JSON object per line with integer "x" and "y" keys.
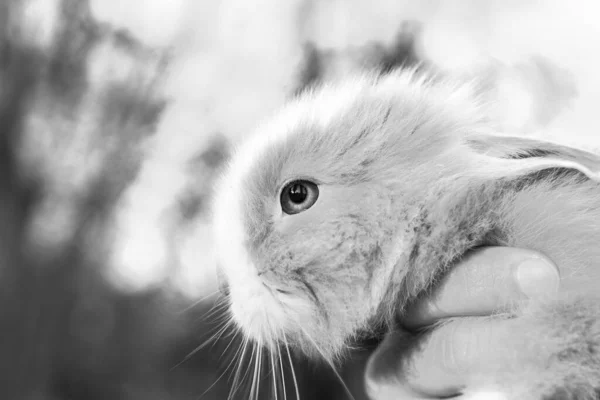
{"x": 256, "y": 311}
{"x": 272, "y": 319}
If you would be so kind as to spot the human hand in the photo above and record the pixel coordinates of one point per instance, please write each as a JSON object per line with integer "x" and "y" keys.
{"x": 439, "y": 363}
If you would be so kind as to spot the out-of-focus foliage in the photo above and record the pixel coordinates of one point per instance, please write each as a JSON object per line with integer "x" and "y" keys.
{"x": 75, "y": 115}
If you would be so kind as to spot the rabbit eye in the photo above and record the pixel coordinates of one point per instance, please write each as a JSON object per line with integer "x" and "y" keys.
{"x": 298, "y": 196}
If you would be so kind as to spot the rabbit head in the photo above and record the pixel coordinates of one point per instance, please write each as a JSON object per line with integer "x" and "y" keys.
{"x": 316, "y": 216}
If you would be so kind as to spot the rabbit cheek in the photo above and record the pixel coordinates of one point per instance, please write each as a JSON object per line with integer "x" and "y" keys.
{"x": 256, "y": 304}
{"x": 253, "y": 306}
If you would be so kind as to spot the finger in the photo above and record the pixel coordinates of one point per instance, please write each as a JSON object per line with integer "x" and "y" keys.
{"x": 383, "y": 379}
{"x": 489, "y": 280}
{"x": 451, "y": 354}
{"x": 438, "y": 364}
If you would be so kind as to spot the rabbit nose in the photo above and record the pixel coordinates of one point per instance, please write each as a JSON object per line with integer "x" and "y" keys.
{"x": 222, "y": 281}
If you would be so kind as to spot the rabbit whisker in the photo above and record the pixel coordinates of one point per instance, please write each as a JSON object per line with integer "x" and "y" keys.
{"x": 282, "y": 372}
{"x": 221, "y": 328}
{"x": 287, "y": 349}
{"x": 273, "y": 365}
{"x": 236, "y": 380}
{"x": 330, "y": 363}
{"x": 197, "y": 302}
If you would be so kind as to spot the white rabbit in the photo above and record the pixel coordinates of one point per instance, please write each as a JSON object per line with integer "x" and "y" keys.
{"x": 358, "y": 196}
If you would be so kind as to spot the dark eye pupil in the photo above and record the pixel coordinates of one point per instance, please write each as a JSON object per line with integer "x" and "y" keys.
{"x": 298, "y": 193}
{"x": 298, "y": 196}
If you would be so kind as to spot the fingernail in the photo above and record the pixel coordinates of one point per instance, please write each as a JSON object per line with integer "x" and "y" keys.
{"x": 537, "y": 277}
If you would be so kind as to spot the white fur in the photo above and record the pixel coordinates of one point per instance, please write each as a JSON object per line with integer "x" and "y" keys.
{"x": 413, "y": 186}
{"x": 255, "y": 310}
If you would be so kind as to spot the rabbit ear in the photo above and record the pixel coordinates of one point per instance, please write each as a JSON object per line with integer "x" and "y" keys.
{"x": 518, "y": 156}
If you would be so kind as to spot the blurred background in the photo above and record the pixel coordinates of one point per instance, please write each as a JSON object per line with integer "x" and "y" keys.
{"x": 116, "y": 117}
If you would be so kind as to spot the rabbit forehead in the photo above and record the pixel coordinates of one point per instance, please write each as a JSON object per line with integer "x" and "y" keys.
{"x": 344, "y": 134}
{"x": 320, "y": 127}
{"x": 341, "y": 134}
